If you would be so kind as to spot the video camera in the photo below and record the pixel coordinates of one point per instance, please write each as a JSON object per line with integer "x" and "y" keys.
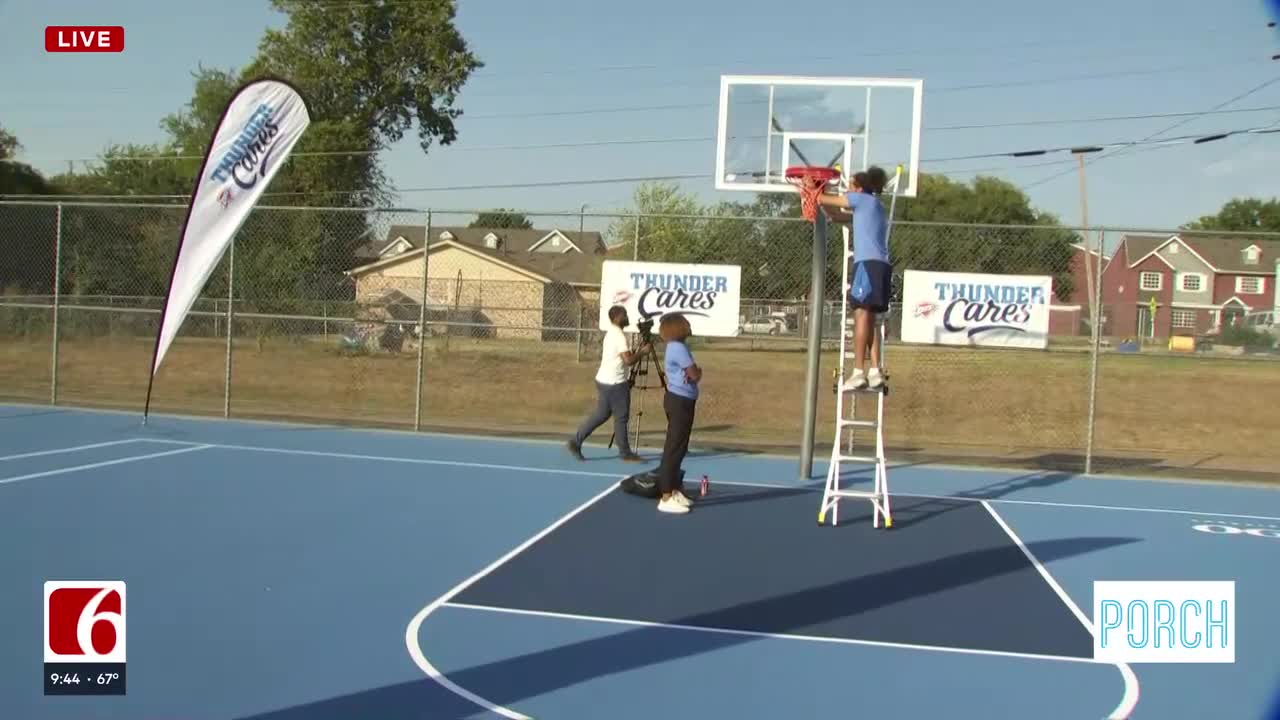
{"x": 645, "y": 327}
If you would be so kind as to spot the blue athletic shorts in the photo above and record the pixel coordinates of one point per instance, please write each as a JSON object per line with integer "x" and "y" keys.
{"x": 871, "y": 285}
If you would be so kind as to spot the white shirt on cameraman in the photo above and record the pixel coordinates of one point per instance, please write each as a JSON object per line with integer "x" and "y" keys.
{"x": 612, "y": 369}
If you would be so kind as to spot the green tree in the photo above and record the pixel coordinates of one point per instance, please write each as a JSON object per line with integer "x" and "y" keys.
{"x": 988, "y": 226}
{"x": 1242, "y": 214}
{"x": 501, "y": 218}
{"x": 8, "y": 144}
{"x": 664, "y": 239}
{"x": 986, "y": 200}
{"x": 334, "y": 163}
{"x": 935, "y": 231}
{"x": 27, "y": 231}
{"x": 371, "y": 71}
{"x": 133, "y": 169}
{"x": 18, "y": 178}
{"x": 772, "y": 244}
{"x": 120, "y": 249}
{"x": 312, "y": 244}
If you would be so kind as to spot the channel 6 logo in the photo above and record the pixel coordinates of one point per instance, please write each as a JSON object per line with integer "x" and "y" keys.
{"x": 84, "y": 621}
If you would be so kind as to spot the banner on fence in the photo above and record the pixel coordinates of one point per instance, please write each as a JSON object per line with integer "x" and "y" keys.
{"x": 259, "y": 127}
{"x": 943, "y": 308}
{"x": 708, "y": 295}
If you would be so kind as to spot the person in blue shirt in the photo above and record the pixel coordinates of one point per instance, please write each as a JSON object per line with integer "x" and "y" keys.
{"x": 683, "y": 376}
{"x": 871, "y": 274}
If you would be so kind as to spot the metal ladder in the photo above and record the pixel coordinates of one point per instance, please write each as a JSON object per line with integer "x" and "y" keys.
{"x": 842, "y": 448}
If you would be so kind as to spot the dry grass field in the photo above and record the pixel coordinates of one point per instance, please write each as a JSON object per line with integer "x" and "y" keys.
{"x": 1024, "y": 408}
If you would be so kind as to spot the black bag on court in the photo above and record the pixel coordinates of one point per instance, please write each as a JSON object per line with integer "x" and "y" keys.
{"x": 644, "y": 484}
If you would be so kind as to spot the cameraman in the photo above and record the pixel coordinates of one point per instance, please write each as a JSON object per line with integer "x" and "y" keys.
{"x": 613, "y": 390}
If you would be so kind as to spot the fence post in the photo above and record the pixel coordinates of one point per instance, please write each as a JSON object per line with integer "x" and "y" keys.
{"x": 817, "y": 288}
{"x": 582, "y": 313}
{"x": 579, "y": 305}
{"x": 1096, "y": 341}
{"x": 422, "y": 329}
{"x": 57, "y": 297}
{"x": 231, "y": 290}
{"x": 635, "y": 247}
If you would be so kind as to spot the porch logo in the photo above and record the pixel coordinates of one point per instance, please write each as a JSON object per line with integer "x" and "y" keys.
{"x": 1164, "y": 622}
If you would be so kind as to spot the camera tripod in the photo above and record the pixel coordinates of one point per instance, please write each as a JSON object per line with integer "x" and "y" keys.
{"x": 641, "y": 370}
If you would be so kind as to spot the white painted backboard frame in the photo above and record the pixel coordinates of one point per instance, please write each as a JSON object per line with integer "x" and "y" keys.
{"x": 726, "y": 81}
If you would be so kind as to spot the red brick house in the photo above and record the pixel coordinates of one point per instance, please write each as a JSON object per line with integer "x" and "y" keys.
{"x": 1199, "y": 282}
{"x": 1070, "y": 315}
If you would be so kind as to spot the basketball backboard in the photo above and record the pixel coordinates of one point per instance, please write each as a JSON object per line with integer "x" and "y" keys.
{"x": 768, "y": 123}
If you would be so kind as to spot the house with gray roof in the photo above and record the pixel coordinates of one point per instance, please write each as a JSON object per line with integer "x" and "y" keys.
{"x": 507, "y": 282}
{"x": 1197, "y": 283}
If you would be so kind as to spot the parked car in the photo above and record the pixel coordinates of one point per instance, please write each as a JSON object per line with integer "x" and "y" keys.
{"x": 1267, "y": 321}
{"x": 765, "y": 325}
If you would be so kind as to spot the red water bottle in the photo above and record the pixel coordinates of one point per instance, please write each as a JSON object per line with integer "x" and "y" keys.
{"x": 706, "y": 485}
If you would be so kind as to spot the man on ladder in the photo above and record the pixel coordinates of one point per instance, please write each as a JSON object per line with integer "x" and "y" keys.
{"x": 866, "y": 288}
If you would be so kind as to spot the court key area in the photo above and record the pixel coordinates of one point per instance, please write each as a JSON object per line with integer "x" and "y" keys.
{"x": 280, "y": 571}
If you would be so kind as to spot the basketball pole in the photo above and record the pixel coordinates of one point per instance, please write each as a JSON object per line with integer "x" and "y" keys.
{"x": 817, "y": 288}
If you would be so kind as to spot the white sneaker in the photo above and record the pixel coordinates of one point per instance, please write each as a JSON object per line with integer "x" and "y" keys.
{"x": 682, "y": 499}
{"x": 672, "y": 505}
{"x": 856, "y": 381}
{"x": 874, "y": 379}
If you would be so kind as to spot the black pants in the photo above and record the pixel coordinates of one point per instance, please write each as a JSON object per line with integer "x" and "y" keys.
{"x": 611, "y": 401}
{"x": 679, "y": 412}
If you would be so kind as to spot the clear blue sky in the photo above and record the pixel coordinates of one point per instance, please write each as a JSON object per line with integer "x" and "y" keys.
{"x": 1047, "y": 60}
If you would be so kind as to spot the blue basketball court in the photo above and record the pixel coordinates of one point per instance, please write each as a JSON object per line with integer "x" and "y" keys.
{"x": 284, "y": 571}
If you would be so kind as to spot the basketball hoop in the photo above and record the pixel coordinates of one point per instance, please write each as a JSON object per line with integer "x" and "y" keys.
{"x": 811, "y": 180}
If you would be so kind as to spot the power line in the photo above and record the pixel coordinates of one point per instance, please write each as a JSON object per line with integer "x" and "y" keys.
{"x": 711, "y": 138}
{"x": 466, "y": 94}
{"x": 1273, "y": 128}
{"x": 1174, "y": 126}
{"x": 151, "y": 158}
{"x": 894, "y": 51}
{"x": 538, "y": 184}
{"x": 486, "y": 186}
{"x": 968, "y": 51}
{"x": 1098, "y": 147}
{"x": 1036, "y": 152}
{"x": 1097, "y": 119}
{"x": 721, "y": 65}
{"x": 932, "y": 91}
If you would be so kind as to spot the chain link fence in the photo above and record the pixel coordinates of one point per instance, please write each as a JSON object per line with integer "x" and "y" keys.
{"x": 337, "y": 315}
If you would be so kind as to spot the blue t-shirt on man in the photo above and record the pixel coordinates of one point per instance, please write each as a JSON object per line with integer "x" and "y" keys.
{"x": 676, "y": 360}
{"x": 869, "y": 228}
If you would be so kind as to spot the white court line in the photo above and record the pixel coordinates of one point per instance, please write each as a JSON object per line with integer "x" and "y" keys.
{"x": 1131, "y": 688}
{"x": 78, "y": 468}
{"x": 410, "y": 461}
{"x": 415, "y": 625}
{"x": 777, "y": 636}
{"x": 735, "y": 483}
{"x": 1085, "y": 506}
{"x": 1043, "y": 503}
{"x": 463, "y": 434}
{"x": 75, "y": 448}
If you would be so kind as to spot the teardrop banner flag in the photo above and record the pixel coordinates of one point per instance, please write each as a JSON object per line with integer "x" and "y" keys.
{"x": 259, "y": 127}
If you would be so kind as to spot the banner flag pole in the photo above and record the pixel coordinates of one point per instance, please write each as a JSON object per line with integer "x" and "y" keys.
{"x": 263, "y": 121}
